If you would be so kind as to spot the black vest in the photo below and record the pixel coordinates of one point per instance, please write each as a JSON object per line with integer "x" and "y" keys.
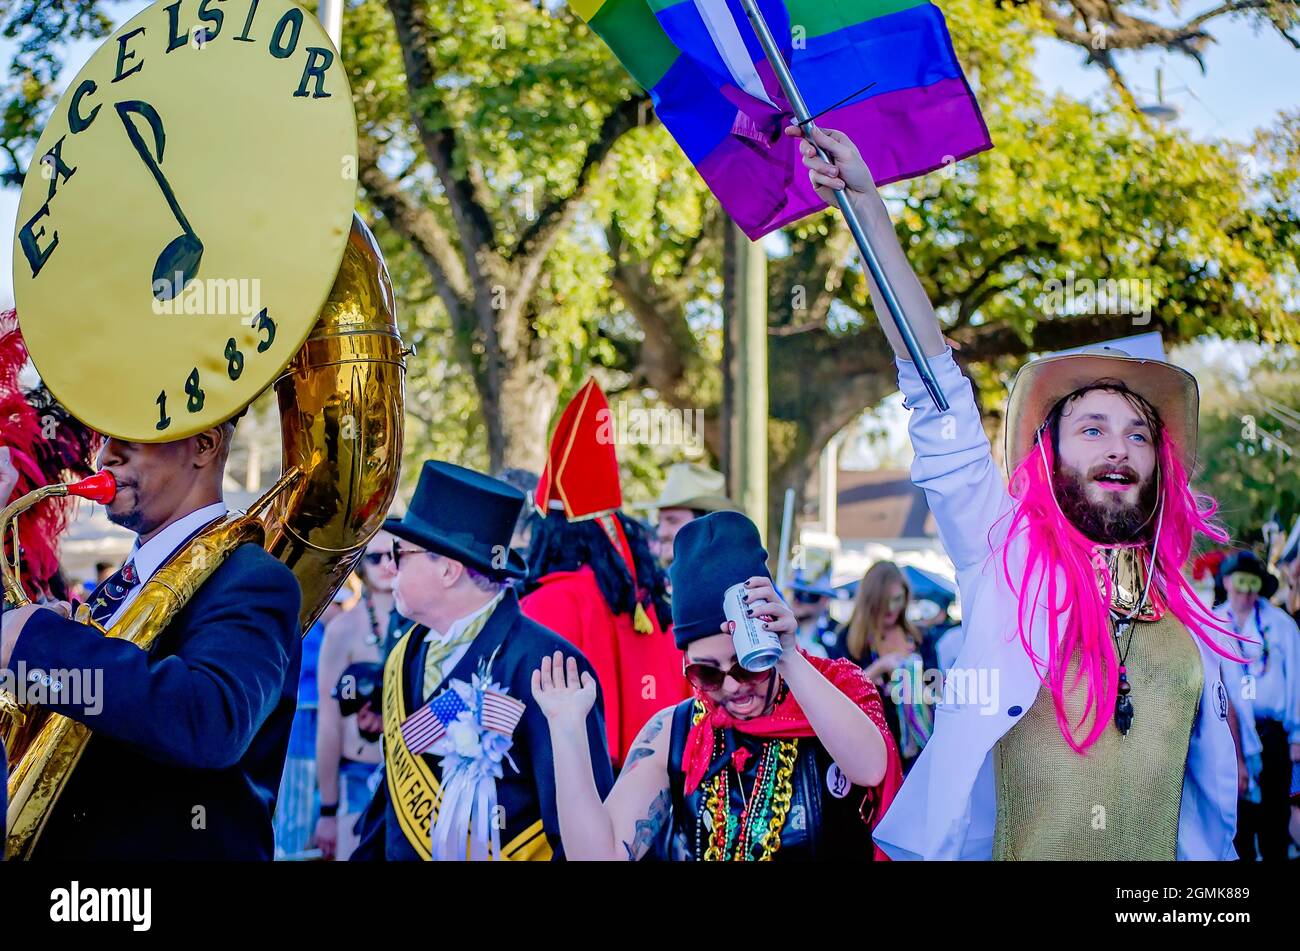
{"x": 819, "y": 826}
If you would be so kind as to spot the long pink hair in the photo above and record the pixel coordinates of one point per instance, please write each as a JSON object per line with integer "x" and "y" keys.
{"x": 1054, "y": 545}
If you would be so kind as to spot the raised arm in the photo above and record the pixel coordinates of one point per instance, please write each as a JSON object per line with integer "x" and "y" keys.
{"x": 626, "y": 825}
{"x": 854, "y": 742}
{"x": 954, "y": 462}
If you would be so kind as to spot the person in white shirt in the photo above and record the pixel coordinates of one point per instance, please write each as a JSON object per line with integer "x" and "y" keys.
{"x": 1085, "y": 717}
{"x": 1268, "y": 681}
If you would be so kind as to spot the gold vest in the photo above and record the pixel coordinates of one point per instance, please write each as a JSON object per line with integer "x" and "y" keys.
{"x": 1120, "y": 800}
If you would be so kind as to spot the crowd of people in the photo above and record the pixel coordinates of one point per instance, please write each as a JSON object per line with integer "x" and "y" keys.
{"x": 525, "y": 670}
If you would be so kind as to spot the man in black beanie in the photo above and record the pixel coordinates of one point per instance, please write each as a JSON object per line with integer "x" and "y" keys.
{"x": 792, "y": 762}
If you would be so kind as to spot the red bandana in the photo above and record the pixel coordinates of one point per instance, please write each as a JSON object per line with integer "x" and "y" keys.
{"x": 787, "y": 720}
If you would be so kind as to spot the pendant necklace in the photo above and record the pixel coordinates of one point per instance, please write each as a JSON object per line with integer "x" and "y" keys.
{"x": 1127, "y": 625}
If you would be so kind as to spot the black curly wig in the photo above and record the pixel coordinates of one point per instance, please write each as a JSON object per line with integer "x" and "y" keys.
{"x": 560, "y": 545}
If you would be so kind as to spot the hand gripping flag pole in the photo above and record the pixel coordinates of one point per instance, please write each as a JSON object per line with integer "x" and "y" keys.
{"x": 869, "y": 257}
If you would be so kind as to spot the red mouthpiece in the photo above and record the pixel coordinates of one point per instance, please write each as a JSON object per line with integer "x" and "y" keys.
{"x": 101, "y": 488}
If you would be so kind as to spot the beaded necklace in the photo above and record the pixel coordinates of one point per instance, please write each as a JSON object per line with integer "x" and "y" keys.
{"x": 375, "y": 636}
{"x": 733, "y": 838}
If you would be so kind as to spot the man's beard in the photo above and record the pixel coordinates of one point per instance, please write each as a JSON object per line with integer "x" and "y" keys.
{"x": 132, "y": 520}
{"x": 1103, "y": 523}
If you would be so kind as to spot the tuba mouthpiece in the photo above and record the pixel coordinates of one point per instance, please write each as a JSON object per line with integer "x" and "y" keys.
{"x": 101, "y": 488}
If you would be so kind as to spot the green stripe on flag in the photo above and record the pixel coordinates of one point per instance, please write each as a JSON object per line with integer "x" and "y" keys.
{"x": 631, "y": 31}
{"x": 819, "y": 17}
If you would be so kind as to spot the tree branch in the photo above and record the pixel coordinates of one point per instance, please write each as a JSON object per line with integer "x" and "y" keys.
{"x": 416, "y": 223}
{"x": 536, "y": 242}
{"x": 472, "y": 220}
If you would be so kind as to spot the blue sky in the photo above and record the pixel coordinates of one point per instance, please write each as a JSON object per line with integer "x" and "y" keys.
{"x": 1251, "y": 76}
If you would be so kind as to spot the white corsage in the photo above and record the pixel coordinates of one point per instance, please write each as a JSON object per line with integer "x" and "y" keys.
{"x": 473, "y": 749}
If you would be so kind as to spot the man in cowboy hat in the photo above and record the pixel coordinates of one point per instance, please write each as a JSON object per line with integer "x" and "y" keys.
{"x": 467, "y": 754}
{"x": 690, "y": 490}
{"x": 1269, "y": 642}
{"x": 1085, "y": 717}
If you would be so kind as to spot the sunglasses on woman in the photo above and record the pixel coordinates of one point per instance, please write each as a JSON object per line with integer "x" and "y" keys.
{"x": 708, "y": 677}
{"x": 376, "y": 558}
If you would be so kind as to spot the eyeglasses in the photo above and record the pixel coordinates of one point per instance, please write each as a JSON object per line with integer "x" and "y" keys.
{"x": 399, "y": 552}
{"x": 375, "y": 558}
{"x": 707, "y": 677}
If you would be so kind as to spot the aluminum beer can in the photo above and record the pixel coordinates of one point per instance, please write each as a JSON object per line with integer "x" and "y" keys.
{"x": 756, "y": 649}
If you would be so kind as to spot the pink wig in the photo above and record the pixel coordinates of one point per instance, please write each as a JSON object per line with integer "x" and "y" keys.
{"x": 1056, "y": 548}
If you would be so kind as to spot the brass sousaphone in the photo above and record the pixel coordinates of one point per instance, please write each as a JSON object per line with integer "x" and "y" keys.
{"x": 186, "y": 240}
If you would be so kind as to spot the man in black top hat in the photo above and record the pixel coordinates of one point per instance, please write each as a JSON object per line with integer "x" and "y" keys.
{"x": 467, "y": 753}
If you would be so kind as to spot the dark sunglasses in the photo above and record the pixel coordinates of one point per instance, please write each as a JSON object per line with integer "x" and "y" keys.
{"x": 375, "y": 558}
{"x": 707, "y": 677}
{"x": 398, "y": 552}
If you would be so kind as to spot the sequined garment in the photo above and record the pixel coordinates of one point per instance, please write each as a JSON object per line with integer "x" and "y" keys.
{"x": 1120, "y": 800}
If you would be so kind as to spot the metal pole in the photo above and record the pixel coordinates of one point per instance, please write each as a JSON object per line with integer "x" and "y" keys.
{"x": 869, "y": 257}
{"x": 748, "y": 462}
{"x": 330, "y": 14}
{"x": 787, "y": 527}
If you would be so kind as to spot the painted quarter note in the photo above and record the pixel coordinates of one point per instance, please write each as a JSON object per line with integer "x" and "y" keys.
{"x": 178, "y": 262}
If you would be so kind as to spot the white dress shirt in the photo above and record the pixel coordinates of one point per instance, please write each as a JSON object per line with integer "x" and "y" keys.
{"x": 455, "y": 630}
{"x": 153, "y": 554}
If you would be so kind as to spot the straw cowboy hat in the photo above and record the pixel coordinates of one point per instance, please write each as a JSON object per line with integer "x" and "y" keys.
{"x": 689, "y": 485}
{"x": 1041, "y": 384}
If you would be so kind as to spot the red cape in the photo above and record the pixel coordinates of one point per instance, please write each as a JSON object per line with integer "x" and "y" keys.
{"x": 639, "y": 674}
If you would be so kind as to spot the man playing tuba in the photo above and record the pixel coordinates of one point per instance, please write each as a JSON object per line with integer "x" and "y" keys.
{"x": 189, "y": 737}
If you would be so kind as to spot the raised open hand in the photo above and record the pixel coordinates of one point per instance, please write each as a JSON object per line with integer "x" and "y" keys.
{"x": 563, "y": 696}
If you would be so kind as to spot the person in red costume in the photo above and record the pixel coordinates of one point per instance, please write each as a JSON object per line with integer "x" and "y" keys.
{"x": 40, "y": 444}
{"x": 592, "y": 578}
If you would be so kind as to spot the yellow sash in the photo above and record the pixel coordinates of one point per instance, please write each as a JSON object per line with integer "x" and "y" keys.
{"x": 413, "y": 789}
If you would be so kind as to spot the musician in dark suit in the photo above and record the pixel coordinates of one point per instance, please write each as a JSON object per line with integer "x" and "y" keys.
{"x": 189, "y": 738}
{"x": 469, "y": 775}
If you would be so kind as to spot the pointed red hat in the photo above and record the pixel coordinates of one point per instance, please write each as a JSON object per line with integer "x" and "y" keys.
{"x": 581, "y": 471}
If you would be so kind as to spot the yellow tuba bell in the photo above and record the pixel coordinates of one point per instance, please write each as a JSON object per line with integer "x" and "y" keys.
{"x": 341, "y": 399}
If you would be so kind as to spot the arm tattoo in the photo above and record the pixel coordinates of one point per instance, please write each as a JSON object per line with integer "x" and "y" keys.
{"x": 648, "y": 828}
{"x": 653, "y": 728}
{"x": 641, "y": 748}
{"x": 635, "y": 755}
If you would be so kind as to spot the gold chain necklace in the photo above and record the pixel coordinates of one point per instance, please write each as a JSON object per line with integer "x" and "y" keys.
{"x": 782, "y": 793}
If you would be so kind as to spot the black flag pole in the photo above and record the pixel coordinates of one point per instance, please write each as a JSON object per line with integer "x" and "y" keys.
{"x": 869, "y": 256}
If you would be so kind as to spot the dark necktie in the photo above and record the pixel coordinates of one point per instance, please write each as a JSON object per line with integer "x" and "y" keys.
{"x": 108, "y": 597}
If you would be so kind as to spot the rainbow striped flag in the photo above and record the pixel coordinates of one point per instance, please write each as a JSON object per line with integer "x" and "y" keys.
{"x": 906, "y": 103}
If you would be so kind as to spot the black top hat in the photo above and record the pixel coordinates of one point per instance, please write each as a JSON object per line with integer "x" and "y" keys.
{"x": 1249, "y": 563}
{"x": 464, "y": 515}
{"x": 710, "y": 554}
